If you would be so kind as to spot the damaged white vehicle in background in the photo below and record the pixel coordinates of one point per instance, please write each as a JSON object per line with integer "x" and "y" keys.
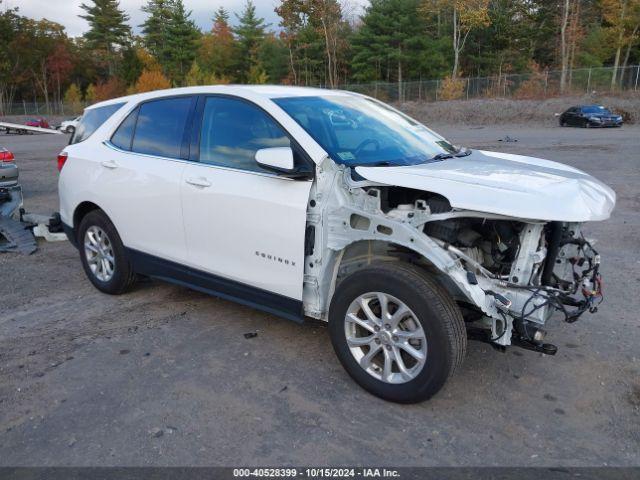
{"x": 344, "y": 210}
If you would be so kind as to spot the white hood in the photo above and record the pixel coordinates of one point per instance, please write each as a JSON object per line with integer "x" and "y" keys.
{"x": 506, "y": 184}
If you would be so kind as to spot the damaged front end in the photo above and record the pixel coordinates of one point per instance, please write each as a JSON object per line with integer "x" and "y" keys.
{"x": 508, "y": 275}
{"x": 530, "y": 270}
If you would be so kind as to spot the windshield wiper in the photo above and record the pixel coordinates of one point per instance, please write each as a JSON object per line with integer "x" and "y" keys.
{"x": 442, "y": 156}
{"x": 374, "y": 164}
{"x": 463, "y": 152}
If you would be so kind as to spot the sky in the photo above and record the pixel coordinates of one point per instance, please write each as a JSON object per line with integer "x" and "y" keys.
{"x": 66, "y": 12}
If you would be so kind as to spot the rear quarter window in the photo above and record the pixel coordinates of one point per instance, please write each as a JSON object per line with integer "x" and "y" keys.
{"x": 123, "y": 136}
{"x": 92, "y": 120}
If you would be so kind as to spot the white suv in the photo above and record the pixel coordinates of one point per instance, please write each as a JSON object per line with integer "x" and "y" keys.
{"x": 327, "y": 204}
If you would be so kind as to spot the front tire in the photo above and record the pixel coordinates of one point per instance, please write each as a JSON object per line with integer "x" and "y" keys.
{"x": 103, "y": 255}
{"x": 397, "y": 333}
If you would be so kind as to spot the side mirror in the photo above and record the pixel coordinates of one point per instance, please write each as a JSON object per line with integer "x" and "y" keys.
{"x": 276, "y": 158}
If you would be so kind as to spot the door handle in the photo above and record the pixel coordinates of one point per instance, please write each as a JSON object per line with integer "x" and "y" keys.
{"x": 109, "y": 164}
{"x": 198, "y": 182}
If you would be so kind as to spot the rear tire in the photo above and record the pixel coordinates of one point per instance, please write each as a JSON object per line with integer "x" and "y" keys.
{"x": 433, "y": 328}
{"x": 102, "y": 254}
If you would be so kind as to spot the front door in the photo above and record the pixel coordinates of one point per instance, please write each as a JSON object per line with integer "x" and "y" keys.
{"x": 243, "y": 223}
{"x": 574, "y": 117}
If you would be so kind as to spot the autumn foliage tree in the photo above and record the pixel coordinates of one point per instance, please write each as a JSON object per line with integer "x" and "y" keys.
{"x": 313, "y": 32}
{"x": 90, "y": 93}
{"x": 451, "y": 88}
{"x": 151, "y": 80}
{"x": 623, "y": 22}
{"x": 112, "y": 88}
{"x": 60, "y": 66}
{"x": 217, "y": 51}
{"x": 317, "y": 42}
{"x": 73, "y": 98}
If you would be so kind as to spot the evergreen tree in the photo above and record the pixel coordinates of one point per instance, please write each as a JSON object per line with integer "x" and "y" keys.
{"x": 131, "y": 66}
{"x": 274, "y": 58}
{"x": 108, "y": 29}
{"x": 170, "y": 35}
{"x": 155, "y": 28}
{"x": 389, "y": 41}
{"x": 195, "y": 76}
{"x": 220, "y": 18}
{"x": 182, "y": 35}
{"x": 315, "y": 45}
{"x": 250, "y": 34}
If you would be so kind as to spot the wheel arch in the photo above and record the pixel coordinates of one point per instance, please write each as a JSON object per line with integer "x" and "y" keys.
{"x": 359, "y": 254}
{"x": 82, "y": 210}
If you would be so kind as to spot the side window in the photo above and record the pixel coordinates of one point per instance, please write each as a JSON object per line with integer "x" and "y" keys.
{"x": 161, "y": 126}
{"x": 123, "y": 136}
{"x": 92, "y": 119}
{"x": 234, "y": 130}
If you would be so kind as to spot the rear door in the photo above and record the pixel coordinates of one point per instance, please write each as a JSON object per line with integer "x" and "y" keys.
{"x": 242, "y": 222}
{"x": 141, "y": 176}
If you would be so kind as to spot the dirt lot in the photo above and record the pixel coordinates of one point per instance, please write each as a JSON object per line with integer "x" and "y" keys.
{"x": 165, "y": 376}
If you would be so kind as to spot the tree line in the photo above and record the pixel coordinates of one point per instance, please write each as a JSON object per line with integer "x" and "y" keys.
{"x": 316, "y": 42}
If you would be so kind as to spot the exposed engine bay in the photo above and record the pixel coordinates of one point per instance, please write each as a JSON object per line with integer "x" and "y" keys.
{"x": 561, "y": 274}
{"x": 551, "y": 266}
{"x": 508, "y": 275}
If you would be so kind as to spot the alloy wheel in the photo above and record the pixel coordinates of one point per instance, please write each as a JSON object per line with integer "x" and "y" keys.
{"x": 99, "y": 253}
{"x": 385, "y": 337}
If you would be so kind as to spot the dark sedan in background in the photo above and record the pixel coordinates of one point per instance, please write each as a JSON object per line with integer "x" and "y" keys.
{"x": 590, "y": 116}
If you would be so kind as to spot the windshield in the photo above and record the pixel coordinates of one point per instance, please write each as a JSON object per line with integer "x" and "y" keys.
{"x": 596, "y": 109}
{"x": 362, "y": 131}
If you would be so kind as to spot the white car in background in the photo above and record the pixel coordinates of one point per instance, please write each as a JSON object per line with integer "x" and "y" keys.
{"x": 332, "y": 205}
{"x": 69, "y": 126}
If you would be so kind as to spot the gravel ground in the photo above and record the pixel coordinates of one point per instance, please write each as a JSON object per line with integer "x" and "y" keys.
{"x": 165, "y": 376}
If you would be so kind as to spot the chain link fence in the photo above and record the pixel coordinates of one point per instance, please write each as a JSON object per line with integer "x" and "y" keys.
{"x": 39, "y": 109}
{"x": 537, "y": 85}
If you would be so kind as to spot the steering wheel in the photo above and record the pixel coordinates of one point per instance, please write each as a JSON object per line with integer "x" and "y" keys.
{"x": 364, "y": 143}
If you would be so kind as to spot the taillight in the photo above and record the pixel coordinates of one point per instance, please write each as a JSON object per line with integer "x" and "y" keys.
{"x": 62, "y": 158}
{"x": 6, "y": 156}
